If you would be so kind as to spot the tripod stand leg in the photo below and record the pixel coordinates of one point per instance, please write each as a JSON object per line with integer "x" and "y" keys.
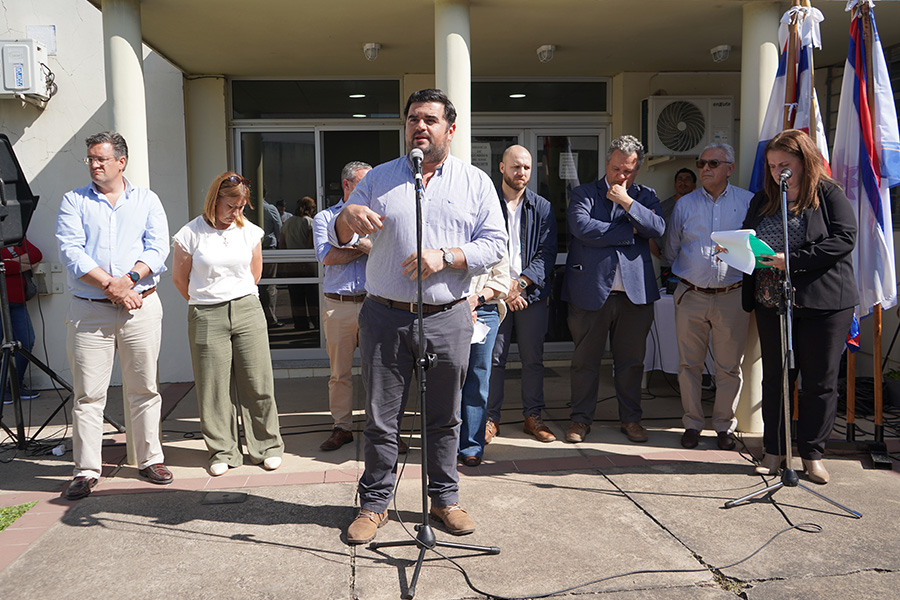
{"x": 852, "y": 513}
{"x": 772, "y": 488}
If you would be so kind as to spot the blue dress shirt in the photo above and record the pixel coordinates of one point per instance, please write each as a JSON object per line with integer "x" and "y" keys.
{"x": 459, "y": 210}
{"x": 348, "y": 279}
{"x": 688, "y": 245}
{"x": 92, "y": 233}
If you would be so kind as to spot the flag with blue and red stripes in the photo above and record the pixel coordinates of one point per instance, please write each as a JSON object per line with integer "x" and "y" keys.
{"x": 866, "y": 159}
{"x": 802, "y": 99}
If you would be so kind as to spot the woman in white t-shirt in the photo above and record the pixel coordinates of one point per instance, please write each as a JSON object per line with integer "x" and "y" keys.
{"x": 217, "y": 264}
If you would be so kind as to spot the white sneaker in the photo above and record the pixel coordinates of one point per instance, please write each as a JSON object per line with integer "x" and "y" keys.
{"x": 272, "y": 463}
{"x": 218, "y": 468}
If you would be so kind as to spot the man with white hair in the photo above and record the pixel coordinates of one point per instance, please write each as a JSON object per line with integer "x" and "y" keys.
{"x": 708, "y": 296}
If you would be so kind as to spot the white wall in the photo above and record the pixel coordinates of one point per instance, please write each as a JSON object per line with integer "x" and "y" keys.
{"x": 49, "y": 144}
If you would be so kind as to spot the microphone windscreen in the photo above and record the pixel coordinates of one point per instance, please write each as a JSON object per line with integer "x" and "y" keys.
{"x": 416, "y": 154}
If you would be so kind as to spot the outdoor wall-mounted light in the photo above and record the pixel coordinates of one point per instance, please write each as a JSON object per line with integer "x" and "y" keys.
{"x": 371, "y": 50}
{"x": 545, "y": 53}
{"x": 720, "y": 53}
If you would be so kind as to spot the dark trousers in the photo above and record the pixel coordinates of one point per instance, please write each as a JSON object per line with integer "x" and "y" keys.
{"x": 627, "y": 325}
{"x": 388, "y": 344}
{"x": 819, "y": 338}
{"x": 530, "y": 326}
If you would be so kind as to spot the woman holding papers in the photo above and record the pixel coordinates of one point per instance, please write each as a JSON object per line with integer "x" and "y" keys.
{"x": 821, "y": 237}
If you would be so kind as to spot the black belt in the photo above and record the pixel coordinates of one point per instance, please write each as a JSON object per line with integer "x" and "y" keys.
{"x": 413, "y": 307}
{"x": 346, "y": 298}
{"x": 692, "y": 287}
{"x": 144, "y": 294}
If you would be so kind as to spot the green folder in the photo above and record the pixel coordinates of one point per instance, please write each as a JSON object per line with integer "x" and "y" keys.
{"x": 759, "y": 247}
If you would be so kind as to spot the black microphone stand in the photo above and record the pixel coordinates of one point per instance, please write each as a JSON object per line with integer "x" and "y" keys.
{"x": 785, "y": 310}
{"x": 425, "y": 539}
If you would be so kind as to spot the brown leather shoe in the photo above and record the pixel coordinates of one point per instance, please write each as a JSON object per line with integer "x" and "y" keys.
{"x": 338, "y": 438}
{"x": 577, "y": 432}
{"x": 635, "y": 431}
{"x": 534, "y": 425}
{"x": 816, "y": 472}
{"x": 80, "y": 487}
{"x": 724, "y": 440}
{"x": 690, "y": 438}
{"x": 455, "y": 519}
{"x": 365, "y": 526}
{"x": 157, "y": 473}
{"x": 471, "y": 461}
{"x": 491, "y": 430}
{"x": 402, "y": 446}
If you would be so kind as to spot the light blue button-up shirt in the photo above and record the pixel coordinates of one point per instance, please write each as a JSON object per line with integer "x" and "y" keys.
{"x": 92, "y": 233}
{"x": 688, "y": 245}
{"x": 348, "y": 279}
{"x": 459, "y": 210}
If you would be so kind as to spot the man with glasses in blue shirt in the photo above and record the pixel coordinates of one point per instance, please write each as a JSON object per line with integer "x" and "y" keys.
{"x": 708, "y": 296}
{"x": 113, "y": 241}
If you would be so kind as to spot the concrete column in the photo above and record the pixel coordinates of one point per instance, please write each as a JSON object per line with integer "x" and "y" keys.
{"x": 207, "y": 137}
{"x": 453, "y": 68}
{"x": 759, "y": 64}
{"x": 123, "y": 59}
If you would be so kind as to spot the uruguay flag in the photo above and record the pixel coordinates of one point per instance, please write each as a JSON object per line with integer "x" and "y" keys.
{"x": 867, "y": 160}
{"x": 802, "y": 98}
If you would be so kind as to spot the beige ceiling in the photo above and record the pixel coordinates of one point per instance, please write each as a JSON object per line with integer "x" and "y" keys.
{"x": 322, "y": 38}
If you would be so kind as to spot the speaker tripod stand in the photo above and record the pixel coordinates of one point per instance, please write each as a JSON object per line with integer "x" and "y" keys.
{"x": 9, "y": 372}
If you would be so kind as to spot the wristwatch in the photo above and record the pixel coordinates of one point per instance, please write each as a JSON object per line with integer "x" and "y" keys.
{"x": 522, "y": 284}
{"x": 448, "y": 257}
{"x": 481, "y": 301}
{"x": 134, "y": 276}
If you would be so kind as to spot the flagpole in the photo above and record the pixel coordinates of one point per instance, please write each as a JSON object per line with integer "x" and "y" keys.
{"x": 787, "y": 120}
{"x": 865, "y": 10}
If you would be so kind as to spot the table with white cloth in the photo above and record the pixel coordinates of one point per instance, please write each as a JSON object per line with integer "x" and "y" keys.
{"x": 662, "y": 344}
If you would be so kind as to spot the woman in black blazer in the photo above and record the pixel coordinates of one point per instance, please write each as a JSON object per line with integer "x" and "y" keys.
{"x": 822, "y": 235}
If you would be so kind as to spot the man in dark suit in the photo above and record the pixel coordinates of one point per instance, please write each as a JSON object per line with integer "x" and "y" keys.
{"x": 610, "y": 286}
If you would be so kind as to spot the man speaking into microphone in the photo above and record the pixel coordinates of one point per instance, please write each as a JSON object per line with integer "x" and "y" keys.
{"x": 463, "y": 235}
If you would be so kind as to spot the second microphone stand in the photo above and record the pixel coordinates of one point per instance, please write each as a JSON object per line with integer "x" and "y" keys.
{"x": 786, "y": 311}
{"x": 425, "y": 540}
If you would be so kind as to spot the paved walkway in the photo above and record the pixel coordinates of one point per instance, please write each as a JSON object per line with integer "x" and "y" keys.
{"x": 637, "y": 520}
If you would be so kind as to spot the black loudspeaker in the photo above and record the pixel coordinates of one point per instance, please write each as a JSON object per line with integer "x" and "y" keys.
{"x": 17, "y": 203}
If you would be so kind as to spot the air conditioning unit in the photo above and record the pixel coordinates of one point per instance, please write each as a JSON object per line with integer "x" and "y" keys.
{"x": 24, "y": 70}
{"x": 684, "y": 125}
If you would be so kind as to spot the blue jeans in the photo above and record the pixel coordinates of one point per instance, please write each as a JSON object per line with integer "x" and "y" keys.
{"x": 475, "y": 389}
{"x": 22, "y": 331}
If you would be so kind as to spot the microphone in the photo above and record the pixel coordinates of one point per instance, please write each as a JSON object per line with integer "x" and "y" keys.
{"x": 416, "y": 156}
{"x": 785, "y": 175}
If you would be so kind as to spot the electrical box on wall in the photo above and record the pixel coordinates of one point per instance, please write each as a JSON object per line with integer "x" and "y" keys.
{"x": 25, "y": 70}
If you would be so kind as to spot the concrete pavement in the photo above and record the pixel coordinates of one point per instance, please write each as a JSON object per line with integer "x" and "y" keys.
{"x": 634, "y": 521}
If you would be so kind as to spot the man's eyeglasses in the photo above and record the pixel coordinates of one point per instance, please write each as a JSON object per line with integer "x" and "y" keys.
{"x": 89, "y": 160}
{"x": 234, "y": 180}
{"x": 713, "y": 164}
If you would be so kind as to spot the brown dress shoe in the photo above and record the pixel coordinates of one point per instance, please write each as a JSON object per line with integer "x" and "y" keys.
{"x": 471, "y": 461}
{"x": 157, "y": 473}
{"x": 690, "y": 438}
{"x": 577, "y": 432}
{"x": 816, "y": 472}
{"x": 365, "y": 526}
{"x": 634, "y": 431}
{"x": 455, "y": 519}
{"x": 491, "y": 430}
{"x": 338, "y": 438}
{"x": 80, "y": 487}
{"x": 534, "y": 425}
{"x": 724, "y": 440}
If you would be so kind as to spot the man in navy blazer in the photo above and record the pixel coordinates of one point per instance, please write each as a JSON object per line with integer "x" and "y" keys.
{"x": 610, "y": 285}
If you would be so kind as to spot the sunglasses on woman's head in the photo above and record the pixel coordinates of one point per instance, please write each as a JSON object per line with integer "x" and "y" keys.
{"x": 234, "y": 180}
